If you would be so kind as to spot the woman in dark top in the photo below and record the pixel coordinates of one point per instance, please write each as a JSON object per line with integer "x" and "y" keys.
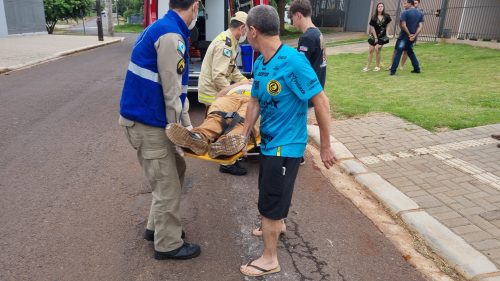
{"x": 378, "y": 35}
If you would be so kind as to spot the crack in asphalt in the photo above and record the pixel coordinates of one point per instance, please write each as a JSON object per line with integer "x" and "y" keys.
{"x": 302, "y": 250}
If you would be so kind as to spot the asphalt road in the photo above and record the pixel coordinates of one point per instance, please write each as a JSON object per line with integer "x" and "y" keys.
{"x": 74, "y": 202}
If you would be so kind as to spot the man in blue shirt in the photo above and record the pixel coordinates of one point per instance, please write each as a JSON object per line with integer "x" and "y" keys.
{"x": 411, "y": 25}
{"x": 284, "y": 81}
{"x": 153, "y": 95}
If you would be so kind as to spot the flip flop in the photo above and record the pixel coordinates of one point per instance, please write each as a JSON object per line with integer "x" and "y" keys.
{"x": 262, "y": 270}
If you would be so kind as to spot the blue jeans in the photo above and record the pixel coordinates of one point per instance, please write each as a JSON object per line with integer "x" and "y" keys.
{"x": 401, "y": 45}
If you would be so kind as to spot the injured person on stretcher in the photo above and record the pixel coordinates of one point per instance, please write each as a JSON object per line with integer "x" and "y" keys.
{"x": 221, "y": 133}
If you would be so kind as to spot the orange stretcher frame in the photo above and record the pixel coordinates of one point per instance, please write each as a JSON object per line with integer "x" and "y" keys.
{"x": 228, "y": 160}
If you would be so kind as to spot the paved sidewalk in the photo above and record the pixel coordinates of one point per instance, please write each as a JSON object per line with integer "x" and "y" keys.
{"x": 446, "y": 186}
{"x": 23, "y": 51}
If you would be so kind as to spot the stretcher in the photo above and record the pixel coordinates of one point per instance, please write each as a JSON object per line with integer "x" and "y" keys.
{"x": 253, "y": 149}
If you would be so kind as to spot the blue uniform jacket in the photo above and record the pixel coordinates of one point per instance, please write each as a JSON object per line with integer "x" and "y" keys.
{"x": 142, "y": 96}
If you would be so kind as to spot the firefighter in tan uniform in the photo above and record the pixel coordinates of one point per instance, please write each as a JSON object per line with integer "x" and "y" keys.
{"x": 219, "y": 71}
{"x": 153, "y": 97}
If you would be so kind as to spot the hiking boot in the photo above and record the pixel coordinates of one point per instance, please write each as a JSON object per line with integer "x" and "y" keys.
{"x": 184, "y": 252}
{"x": 496, "y": 136}
{"x": 226, "y": 145}
{"x": 415, "y": 71}
{"x": 234, "y": 169}
{"x": 182, "y": 137}
{"x": 149, "y": 235}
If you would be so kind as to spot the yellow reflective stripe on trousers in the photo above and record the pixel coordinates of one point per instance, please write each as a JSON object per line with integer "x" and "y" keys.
{"x": 204, "y": 98}
{"x": 278, "y": 151}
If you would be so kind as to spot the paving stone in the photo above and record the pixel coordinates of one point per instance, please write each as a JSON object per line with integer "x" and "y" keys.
{"x": 477, "y": 236}
{"x": 447, "y": 215}
{"x": 444, "y": 198}
{"x": 491, "y": 216}
{"x": 472, "y": 211}
{"x": 475, "y": 195}
{"x": 409, "y": 188}
{"x": 416, "y": 193}
{"x": 456, "y": 192}
{"x": 455, "y": 221}
{"x": 430, "y": 204}
{"x": 466, "y": 229}
{"x": 424, "y": 198}
{"x": 464, "y": 201}
{"x": 436, "y": 190}
{"x": 455, "y": 206}
{"x": 439, "y": 209}
{"x": 485, "y": 225}
{"x": 487, "y": 244}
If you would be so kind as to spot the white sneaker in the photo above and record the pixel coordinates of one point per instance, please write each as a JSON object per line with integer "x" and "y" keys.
{"x": 365, "y": 69}
{"x": 376, "y": 68}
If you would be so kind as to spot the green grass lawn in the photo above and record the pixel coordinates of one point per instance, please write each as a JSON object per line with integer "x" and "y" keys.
{"x": 294, "y": 33}
{"x": 459, "y": 87}
{"x": 129, "y": 28}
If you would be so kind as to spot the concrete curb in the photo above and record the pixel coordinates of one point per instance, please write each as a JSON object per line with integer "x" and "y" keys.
{"x": 59, "y": 55}
{"x": 472, "y": 264}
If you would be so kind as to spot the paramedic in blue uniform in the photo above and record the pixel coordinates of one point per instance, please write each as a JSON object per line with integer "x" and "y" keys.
{"x": 283, "y": 83}
{"x": 153, "y": 95}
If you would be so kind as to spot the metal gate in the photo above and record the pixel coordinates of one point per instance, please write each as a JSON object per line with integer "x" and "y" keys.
{"x": 459, "y": 19}
{"x": 329, "y": 13}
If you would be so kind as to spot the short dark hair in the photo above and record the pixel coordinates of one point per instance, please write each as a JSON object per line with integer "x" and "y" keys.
{"x": 265, "y": 19}
{"x": 410, "y": 2}
{"x": 181, "y": 4}
{"x": 300, "y": 6}
{"x": 235, "y": 24}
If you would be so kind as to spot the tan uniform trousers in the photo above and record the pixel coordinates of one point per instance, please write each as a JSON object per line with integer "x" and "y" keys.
{"x": 213, "y": 125}
{"x": 164, "y": 169}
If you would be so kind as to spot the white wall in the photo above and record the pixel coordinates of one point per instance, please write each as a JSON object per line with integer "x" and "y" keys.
{"x": 3, "y": 21}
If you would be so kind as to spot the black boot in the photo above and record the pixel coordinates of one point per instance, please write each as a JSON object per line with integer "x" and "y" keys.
{"x": 184, "y": 252}
{"x": 234, "y": 169}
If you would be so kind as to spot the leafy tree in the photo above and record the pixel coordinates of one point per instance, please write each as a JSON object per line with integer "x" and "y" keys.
{"x": 130, "y": 7}
{"x": 56, "y": 10}
{"x": 280, "y": 7}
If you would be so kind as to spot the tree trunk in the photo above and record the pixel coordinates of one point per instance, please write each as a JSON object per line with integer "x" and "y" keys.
{"x": 50, "y": 27}
{"x": 281, "y": 13}
{"x": 109, "y": 11}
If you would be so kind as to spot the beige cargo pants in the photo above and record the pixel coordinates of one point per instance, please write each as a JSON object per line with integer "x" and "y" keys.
{"x": 164, "y": 169}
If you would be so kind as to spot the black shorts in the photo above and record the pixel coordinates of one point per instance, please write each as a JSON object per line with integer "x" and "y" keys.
{"x": 382, "y": 41}
{"x": 276, "y": 180}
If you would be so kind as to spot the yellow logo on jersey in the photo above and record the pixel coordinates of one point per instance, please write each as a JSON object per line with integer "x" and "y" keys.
{"x": 273, "y": 87}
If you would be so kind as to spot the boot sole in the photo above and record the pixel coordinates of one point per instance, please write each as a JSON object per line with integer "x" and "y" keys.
{"x": 227, "y": 146}
{"x": 182, "y": 137}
